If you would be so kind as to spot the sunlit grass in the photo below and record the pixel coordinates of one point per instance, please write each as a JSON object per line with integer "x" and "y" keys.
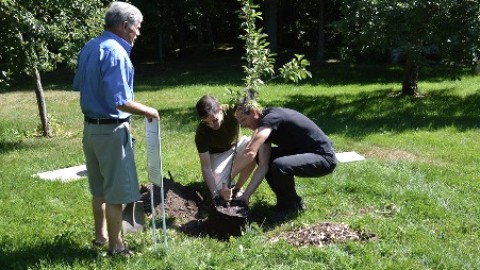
{"x": 421, "y": 156}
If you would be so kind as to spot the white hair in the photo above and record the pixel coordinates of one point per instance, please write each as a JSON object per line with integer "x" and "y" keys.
{"x": 119, "y": 12}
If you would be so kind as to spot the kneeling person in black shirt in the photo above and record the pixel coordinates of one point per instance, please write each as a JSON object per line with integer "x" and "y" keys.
{"x": 301, "y": 149}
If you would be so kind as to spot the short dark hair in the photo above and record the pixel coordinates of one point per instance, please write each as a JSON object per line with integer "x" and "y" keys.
{"x": 207, "y": 105}
{"x": 247, "y": 103}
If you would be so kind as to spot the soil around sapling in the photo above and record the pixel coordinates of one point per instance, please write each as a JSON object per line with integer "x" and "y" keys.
{"x": 188, "y": 211}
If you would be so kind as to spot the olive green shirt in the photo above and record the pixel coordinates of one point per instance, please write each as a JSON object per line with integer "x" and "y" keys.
{"x": 218, "y": 141}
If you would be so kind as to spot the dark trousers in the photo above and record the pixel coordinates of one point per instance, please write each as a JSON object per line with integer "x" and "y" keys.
{"x": 283, "y": 168}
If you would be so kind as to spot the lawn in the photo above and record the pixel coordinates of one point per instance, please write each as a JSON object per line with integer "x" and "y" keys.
{"x": 421, "y": 158}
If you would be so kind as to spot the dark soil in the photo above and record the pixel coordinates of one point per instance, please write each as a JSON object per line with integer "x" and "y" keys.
{"x": 187, "y": 211}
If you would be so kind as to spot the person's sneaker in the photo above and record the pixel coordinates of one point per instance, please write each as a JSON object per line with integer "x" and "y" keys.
{"x": 99, "y": 244}
{"x": 121, "y": 253}
{"x": 284, "y": 213}
{"x": 301, "y": 205}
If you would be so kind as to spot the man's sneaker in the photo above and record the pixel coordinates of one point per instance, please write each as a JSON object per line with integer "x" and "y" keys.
{"x": 301, "y": 205}
{"x": 298, "y": 206}
{"x": 284, "y": 213}
{"x": 120, "y": 253}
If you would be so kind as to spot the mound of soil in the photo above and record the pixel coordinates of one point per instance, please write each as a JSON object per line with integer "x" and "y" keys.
{"x": 191, "y": 214}
{"x": 186, "y": 210}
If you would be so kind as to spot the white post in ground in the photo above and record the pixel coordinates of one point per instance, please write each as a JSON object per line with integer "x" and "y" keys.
{"x": 152, "y": 133}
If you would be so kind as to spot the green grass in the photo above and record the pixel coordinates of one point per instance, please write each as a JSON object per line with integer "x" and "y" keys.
{"x": 421, "y": 156}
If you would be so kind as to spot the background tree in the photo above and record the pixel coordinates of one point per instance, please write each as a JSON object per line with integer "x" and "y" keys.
{"x": 175, "y": 27}
{"x": 303, "y": 25}
{"x": 259, "y": 58}
{"x": 38, "y": 35}
{"x": 451, "y": 28}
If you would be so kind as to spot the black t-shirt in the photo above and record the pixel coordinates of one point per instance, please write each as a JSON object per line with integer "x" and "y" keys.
{"x": 295, "y": 133}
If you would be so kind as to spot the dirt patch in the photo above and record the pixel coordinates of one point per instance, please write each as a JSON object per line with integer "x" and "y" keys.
{"x": 187, "y": 211}
{"x": 394, "y": 155}
{"x": 322, "y": 234}
{"x": 391, "y": 154}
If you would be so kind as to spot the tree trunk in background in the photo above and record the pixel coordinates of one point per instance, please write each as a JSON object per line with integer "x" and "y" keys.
{"x": 181, "y": 29}
{"x": 42, "y": 107}
{"x": 321, "y": 33}
{"x": 410, "y": 78}
{"x": 271, "y": 24}
{"x": 211, "y": 41}
{"x": 160, "y": 46}
{"x": 199, "y": 30}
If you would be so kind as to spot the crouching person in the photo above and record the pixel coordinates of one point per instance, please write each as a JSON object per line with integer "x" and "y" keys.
{"x": 301, "y": 149}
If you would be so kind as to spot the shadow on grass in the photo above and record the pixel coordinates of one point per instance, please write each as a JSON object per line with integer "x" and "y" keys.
{"x": 15, "y": 144}
{"x": 225, "y": 67}
{"x": 66, "y": 254}
{"x": 361, "y": 114}
{"x": 7, "y": 146}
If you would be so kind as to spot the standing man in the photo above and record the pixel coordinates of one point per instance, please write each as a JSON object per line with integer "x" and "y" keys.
{"x": 217, "y": 138}
{"x": 104, "y": 78}
{"x": 302, "y": 149}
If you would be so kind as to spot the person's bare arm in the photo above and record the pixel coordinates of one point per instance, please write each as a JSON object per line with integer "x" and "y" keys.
{"x": 259, "y": 137}
{"x": 138, "y": 108}
{"x": 256, "y": 147}
{"x": 207, "y": 173}
{"x": 259, "y": 173}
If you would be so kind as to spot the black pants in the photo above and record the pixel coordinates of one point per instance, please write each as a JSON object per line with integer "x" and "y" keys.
{"x": 283, "y": 168}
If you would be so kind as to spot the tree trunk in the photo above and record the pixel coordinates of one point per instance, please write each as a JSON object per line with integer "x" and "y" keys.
{"x": 476, "y": 69}
{"x": 199, "y": 30}
{"x": 210, "y": 33}
{"x": 271, "y": 25}
{"x": 410, "y": 78}
{"x": 181, "y": 29}
{"x": 42, "y": 107}
{"x": 160, "y": 46}
{"x": 321, "y": 33}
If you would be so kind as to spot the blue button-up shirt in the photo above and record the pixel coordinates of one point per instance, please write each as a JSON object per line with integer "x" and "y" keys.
{"x": 104, "y": 76}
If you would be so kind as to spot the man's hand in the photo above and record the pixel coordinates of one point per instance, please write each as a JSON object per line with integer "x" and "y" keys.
{"x": 151, "y": 113}
{"x": 237, "y": 192}
{"x": 226, "y": 193}
{"x": 244, "y": 198}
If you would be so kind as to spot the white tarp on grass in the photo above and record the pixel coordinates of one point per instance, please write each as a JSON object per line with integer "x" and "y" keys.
{"x": 77, "y": 172}
{"x": 65, "y": 174}
{"x": 349, "y": 157}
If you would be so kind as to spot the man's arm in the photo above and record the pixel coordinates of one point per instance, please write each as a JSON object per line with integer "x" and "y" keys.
{"x": 138, "y": 108}
{"x": 256, "y": 146}
{"x": 259, "y": 173}
{"x": 207, "y": 173}
{"x": 248, "y": 155}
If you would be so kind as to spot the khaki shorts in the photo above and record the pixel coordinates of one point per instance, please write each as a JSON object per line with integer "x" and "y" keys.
{"x": 222, "y": 162}
{"x": 110, "y": 162}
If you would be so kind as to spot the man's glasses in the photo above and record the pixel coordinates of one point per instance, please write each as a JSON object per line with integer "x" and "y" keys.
{"x": 211, "y": 119}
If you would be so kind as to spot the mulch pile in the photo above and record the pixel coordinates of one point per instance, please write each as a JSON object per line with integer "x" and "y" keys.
{"x": 323, "y": 234}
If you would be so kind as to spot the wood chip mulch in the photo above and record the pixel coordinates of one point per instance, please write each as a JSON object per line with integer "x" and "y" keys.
{"x": 323, "y": 234}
